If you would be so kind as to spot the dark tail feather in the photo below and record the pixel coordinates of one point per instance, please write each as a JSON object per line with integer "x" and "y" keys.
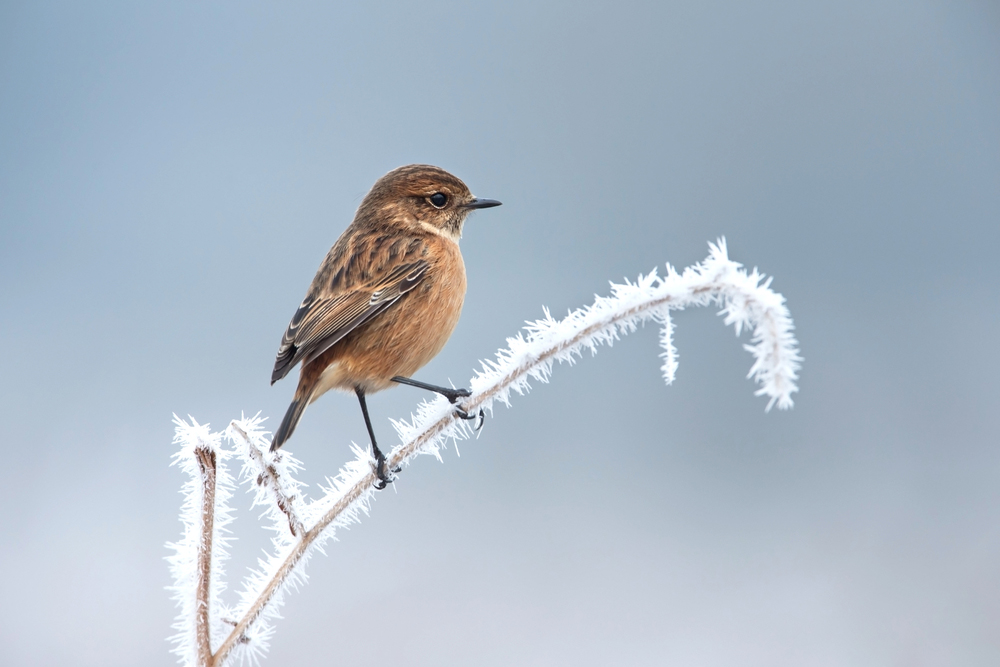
{"x": 288, "y": 424}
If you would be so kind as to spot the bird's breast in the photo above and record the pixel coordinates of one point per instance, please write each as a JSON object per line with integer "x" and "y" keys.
{"x": 427, "y": 317}
{"x": 408, "y": 334}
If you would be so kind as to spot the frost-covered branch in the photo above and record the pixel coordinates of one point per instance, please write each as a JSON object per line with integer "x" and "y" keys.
{"x": 196, "y": 563}
{"x": 267, "y": 477}
{"x": 206, "y": 469}
{"x": 302, "y": 527}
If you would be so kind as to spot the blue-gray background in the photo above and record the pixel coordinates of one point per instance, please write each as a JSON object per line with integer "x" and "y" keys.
{"x": 171, "y": 175}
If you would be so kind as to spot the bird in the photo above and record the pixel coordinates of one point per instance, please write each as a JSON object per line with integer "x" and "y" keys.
{"x": 385, "y": 299}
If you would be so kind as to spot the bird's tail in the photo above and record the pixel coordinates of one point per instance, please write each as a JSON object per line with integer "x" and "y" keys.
{"x": 288, "y": 424}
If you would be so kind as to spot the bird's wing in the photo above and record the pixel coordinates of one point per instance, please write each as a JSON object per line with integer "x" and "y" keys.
{"x": 322, "y": 321}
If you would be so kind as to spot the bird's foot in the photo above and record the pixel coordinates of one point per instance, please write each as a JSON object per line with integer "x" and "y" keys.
{"x": 481, "y": 416}
{"x": 453, "y": 395}
{"x": 384, "y": 475}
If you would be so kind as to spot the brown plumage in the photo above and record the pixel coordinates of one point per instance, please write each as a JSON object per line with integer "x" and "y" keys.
{"x": 385, "y": 299}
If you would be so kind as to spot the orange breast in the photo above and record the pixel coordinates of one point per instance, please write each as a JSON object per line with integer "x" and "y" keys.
{"x": 403, "y": 338}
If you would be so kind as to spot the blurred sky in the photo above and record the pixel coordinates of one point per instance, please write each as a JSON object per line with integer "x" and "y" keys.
{"x": 171, "y": 175}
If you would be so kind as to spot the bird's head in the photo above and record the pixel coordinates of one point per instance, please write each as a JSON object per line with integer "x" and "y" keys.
{"x": 423, "y": 196}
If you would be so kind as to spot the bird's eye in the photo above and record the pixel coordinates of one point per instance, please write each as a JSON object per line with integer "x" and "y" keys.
{"x": 438, "y": 200}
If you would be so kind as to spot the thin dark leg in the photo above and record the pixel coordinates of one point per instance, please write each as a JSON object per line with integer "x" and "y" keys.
{"x": 451, "y": 394}
{"x": 379, "y": 456}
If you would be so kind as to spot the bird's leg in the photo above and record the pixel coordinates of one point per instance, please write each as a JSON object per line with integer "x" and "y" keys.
{"x": 451, "y": 394}
{"x": 380, "y": 472}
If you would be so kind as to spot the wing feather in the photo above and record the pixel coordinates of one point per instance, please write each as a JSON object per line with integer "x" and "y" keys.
{"x": 320, "y": 323}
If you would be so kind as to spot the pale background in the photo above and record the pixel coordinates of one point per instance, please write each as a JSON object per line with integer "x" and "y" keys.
{"x": 171, "y": 175}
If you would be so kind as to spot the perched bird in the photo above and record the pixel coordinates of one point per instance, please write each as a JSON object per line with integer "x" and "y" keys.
{"x": 385, "y": 299}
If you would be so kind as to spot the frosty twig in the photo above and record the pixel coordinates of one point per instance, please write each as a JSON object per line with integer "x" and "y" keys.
{"x": 268, "y": 477}
{"x": 206, "y": 466}
{"x": 301, "y": 527}
{"x": 196, "y": 563}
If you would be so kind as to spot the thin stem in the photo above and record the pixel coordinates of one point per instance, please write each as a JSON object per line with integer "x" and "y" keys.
{"x": 207, "y": 468}
{"x": 267, "y": 475}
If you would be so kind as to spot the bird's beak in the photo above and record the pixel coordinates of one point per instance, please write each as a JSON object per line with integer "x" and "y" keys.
{"x": 481, "y": 203}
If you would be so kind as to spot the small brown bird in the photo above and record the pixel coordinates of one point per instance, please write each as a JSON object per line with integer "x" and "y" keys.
{"x": 385, "y": 299}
